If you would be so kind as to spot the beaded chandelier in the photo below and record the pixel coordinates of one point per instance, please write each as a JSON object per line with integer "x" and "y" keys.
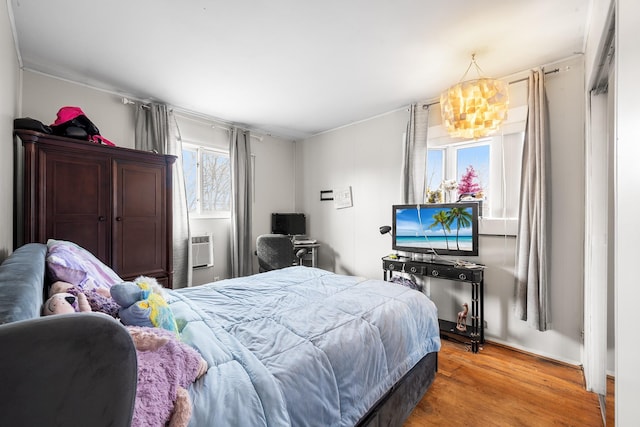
{"x": 474, "y": 108}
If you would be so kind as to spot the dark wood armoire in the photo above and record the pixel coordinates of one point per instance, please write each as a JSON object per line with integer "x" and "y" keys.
{"x": 115, "y": 202}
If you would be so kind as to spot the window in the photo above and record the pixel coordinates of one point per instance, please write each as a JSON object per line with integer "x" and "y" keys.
{"x": 207, "y": 174}
{"x": 496, "y": 163}
{"x": 488, "y": 168}
{"x": 435, "y": 168}
{"x": 472, "y": 168}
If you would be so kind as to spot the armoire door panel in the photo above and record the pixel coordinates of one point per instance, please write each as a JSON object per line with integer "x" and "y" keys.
{"x": 85, "y": 235}
{"x": 143, "y": 191}
{"x": 139, "y": 218}
{"x": 139, "y": 247}
{"x": 75, "y": 201}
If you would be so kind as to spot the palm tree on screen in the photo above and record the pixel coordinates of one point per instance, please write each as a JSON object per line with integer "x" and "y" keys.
{"x": 441, "y": 219}
{"x": 463, "y": 218}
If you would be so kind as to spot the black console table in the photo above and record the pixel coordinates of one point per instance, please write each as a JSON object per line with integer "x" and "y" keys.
{"x": 473, "y": 275}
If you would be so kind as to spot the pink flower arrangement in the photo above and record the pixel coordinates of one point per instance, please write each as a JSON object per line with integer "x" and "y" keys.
{"x": 468, "y": 182}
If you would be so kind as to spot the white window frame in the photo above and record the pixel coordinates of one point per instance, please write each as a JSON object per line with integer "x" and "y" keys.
{"x": 451, "y": 157}
{"x": 506, "y": 151}
{"x": 198, "y": 214}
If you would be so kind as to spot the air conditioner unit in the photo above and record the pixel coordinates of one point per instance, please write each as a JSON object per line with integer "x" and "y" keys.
{"x": 202, "y": 250}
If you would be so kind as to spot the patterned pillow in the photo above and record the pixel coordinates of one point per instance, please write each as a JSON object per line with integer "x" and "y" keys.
{"x": 70, "y": 263}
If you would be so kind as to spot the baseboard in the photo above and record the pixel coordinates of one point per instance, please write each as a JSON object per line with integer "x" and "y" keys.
{"x": 529, "y": 352}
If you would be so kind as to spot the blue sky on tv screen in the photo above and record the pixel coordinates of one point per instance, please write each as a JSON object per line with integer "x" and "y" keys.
{"x": 413, "y": 222}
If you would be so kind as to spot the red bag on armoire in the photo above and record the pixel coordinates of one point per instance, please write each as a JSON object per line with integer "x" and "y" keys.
{"x": 73, "y": 123}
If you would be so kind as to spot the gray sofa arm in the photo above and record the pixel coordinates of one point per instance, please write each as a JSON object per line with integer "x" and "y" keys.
{"x": 22, "y": 278}
{"x": 67, "y": 370}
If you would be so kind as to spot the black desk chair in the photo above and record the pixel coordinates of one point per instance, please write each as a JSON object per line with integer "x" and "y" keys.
{"x": 276, "y": 251}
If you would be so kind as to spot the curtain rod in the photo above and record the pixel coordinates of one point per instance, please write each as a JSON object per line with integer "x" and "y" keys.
{"x": 215, "y": 125}
{"x": 555, "y": 70}
{"x": 127, "y": 101}
{"x": 211, "y": 122}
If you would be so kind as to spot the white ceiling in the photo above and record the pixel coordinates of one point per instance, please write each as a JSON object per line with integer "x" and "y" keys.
{"x": 291, "y": 68}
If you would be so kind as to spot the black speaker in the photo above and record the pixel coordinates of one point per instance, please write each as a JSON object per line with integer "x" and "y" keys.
{"x": 443, "y": 271}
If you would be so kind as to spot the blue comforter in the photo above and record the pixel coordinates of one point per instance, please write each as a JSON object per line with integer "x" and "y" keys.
{"x": 300, "y": 346}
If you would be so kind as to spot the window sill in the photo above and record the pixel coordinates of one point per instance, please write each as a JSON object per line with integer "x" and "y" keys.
{"x": 498, "y": 226}
{"x": 225, "y": 215}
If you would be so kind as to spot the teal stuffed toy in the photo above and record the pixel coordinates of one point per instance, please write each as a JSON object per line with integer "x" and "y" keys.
{"x": 142, "y": 304}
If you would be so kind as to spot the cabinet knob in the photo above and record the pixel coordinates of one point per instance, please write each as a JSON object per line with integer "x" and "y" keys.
{"x": 102, "y": 218}
{"x": 118, "y": 218}
{"x": 392, "y": 266}
{"x": 462, "y": 276}
{"x": 435, "y": 273}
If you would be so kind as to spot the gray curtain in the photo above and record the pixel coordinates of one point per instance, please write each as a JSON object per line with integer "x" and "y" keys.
{"x": 414, "y": 155}
{"x": 532, "y": 257}
{"x": 157, "y": 131}
{"x": 241, "y": 204}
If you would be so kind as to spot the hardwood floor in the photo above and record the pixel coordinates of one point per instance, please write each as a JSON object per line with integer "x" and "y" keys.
{"x": 500, "y": 386}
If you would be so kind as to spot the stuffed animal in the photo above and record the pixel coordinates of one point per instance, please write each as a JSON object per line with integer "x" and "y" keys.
{"x": 99, "y": 299}
{"x": 64, "y": 303}
{"x": 166, "y": 366}
{"x": 142, "y": 304}
{"x": 59, "y": 287}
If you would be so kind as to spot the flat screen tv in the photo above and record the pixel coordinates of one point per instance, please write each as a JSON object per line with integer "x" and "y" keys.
{"x": 291, "y": 224}
{"x": 437, "y": 228}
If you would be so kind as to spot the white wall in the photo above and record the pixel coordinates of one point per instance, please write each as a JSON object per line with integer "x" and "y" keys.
{"x": 627, "y": 234}
{"x": 367, "y": 156}
{"x": 9, "y": 108}
{"x": 43, "y": 96}
{"x": 274, "y": 166}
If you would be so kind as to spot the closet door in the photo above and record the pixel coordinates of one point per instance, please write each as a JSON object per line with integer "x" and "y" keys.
{"x": 139, "y": 219}
{"x": 75, "y": 200}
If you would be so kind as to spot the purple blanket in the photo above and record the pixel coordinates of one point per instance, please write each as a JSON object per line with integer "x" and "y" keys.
{"x": 164, "y": 365}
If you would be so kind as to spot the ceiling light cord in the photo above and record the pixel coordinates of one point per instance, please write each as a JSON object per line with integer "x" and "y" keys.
{"x": 478, "y": 69}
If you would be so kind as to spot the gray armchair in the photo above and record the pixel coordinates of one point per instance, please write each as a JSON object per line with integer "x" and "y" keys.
{"x": 68, "y": 370}
{"x": 276, "y": 251}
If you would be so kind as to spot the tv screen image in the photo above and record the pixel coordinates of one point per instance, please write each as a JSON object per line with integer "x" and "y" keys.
{"x": 441, "y": 229}
{"x": 291, "y": 224}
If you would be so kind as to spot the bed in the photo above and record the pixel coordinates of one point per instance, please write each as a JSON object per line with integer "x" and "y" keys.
{"x": 298, "y": 346}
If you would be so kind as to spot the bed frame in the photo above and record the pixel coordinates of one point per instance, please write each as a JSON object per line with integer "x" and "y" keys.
{"x": 396, "y": 405}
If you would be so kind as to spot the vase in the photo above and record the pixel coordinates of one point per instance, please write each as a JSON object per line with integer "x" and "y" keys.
{"x": 449, "y": 196}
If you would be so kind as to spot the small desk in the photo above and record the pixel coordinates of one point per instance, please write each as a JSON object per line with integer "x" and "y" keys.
{"x": 449, "y": 271}
{"x": 312, "y": 254}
